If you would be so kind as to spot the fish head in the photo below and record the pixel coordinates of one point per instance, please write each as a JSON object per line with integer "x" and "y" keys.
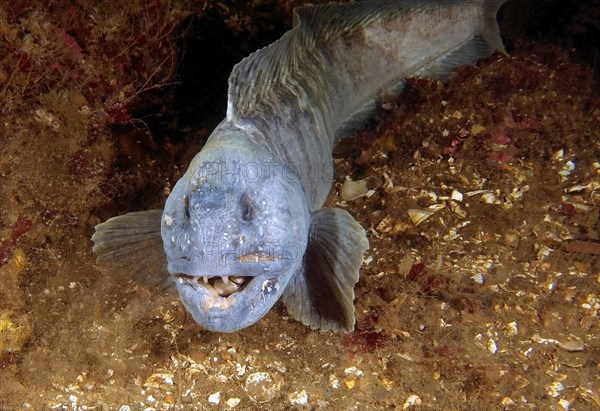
{"x": 235, "y": 229}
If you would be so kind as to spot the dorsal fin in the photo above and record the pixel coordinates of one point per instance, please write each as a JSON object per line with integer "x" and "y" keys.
{"x": 299, "y": 64}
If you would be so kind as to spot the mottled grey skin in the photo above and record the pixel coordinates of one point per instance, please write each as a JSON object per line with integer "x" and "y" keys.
{"x": 249, "y": 206}
{"x": 235, "y": 200}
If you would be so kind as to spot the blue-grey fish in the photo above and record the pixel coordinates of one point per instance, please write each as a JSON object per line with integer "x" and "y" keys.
{"x": 245, "y": 225}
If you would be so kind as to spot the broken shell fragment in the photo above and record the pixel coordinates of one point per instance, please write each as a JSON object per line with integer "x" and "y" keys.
{"x": 572, "y": 344}
{"x": 417, "y": 215}
{"x": 489, "y": 198}
{"x": 14, "y": 332}
{"x": 353, "y": 189}
{"x": 456, "y": 196}
{"x": 458, "y": 209}
{"x": 385, "y": 226}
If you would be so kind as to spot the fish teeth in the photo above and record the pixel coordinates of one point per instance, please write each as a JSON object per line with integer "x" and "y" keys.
{"x": 224, "y": 289}
{"x": 237, "y": 280}
{"x": 205, "y": 279}
{"x": 225, "y": 279}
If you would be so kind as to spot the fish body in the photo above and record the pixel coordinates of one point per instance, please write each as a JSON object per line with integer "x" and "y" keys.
{"x": 245, "y": 225}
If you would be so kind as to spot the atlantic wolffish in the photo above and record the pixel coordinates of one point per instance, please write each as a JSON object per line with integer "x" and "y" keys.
{"x": 245, "y": 225}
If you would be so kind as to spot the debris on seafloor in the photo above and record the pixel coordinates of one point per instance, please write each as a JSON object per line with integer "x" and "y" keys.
{"x": 583, "y": 247}
{"x": 351, "y": 190}
{"x": 15, "y": 325}
{"x": 14, "y": 333}
{"x": 572, "y": 344}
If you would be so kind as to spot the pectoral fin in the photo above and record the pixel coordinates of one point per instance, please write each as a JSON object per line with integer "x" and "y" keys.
{"x": 321, "y": 294}
{"x": 133, "y": 243}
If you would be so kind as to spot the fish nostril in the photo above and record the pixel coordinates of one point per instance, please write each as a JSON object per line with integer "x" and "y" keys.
{"x": 248, "y": 210}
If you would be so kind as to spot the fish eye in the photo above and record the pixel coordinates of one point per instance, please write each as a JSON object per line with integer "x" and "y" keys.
{"x": 186, "y": 207}
{"x": 248, "y": 209}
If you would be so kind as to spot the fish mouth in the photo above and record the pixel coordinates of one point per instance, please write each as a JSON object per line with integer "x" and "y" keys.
{"x": 224, "y": 285}
{"x": 233, "y": 294}
{"x": 244, "y": 273}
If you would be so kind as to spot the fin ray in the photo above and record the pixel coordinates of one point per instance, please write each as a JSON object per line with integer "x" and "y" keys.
{"x": 133, "y": 242}
{"x": 321, "y": 294}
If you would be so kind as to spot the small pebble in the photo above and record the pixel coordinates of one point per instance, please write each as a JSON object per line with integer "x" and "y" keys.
{"x": 492, "y": 346}
{"x": 350, "y": 383}
{"x": 566, "y": 405}
{"x": 334, "y": 382}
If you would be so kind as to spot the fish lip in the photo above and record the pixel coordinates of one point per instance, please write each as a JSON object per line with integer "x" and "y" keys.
{"x": 196, "y": 268}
